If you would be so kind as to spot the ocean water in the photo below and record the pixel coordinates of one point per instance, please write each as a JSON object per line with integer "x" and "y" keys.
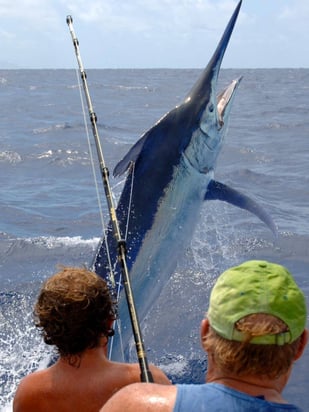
{"x": 50, "y": 212}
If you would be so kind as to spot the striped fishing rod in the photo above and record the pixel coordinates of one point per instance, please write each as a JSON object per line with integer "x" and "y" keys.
{"x": 146, "y": 375}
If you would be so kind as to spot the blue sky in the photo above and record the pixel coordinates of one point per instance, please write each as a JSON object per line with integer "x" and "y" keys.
{"x": 152, "y": 33}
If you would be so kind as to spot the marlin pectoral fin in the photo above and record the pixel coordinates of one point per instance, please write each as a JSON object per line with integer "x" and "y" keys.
{"x": 130, "y": 157}
{"x": 219, "y": 191}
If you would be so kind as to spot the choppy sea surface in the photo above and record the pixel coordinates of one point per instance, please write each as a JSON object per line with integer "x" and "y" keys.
{"x": 50, "y": 212}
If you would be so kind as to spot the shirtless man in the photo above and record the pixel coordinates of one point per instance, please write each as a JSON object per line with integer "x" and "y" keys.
{"x": 253, "y": 333}
{"x": 75, "y": 313}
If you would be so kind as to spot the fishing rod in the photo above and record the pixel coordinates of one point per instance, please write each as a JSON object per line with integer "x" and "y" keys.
{"x": 146, "y": 375}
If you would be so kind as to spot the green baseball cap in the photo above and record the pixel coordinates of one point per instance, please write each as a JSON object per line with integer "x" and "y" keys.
{"x": 257, "y": 287}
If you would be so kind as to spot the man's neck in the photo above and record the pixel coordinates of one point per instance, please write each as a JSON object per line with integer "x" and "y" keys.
{"x": 89, "y": 358}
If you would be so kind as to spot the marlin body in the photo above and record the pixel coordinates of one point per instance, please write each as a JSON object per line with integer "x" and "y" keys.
{"x": 170, "y": 176}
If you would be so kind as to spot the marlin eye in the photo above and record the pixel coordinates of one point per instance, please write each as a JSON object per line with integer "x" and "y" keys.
{"x": 211, "y": 108}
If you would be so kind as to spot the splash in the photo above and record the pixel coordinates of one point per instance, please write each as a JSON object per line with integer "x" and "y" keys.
{"x": 21, "y": 348}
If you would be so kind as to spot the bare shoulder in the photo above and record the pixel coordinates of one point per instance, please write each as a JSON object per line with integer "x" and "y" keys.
{"x": 142, "y": 396}
{"x": 133, "y": 369}
{"x": 28, "y": 392}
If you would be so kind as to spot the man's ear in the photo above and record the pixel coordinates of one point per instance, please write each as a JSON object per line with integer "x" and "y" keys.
{"x": 302, "y": 344}
{"x": 204, "y": 328}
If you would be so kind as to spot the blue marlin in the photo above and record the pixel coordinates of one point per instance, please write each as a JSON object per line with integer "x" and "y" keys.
{"x": 170, "y": 174}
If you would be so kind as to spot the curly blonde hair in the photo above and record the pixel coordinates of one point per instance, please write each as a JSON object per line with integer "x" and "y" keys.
{"x": 73, "y": 310}
{"x": 245, "y": 358}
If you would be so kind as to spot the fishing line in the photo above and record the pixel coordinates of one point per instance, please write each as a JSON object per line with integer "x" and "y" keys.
{"x": 146, "y": 375}
{"x": 117, "y": 322}
{"x": 90, "y": 152}
{"x": 130, "y": 198}
{"x": 95, "y": 178}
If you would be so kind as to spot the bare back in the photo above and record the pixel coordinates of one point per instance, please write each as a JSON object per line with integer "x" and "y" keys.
{"x": 64, "y": 388}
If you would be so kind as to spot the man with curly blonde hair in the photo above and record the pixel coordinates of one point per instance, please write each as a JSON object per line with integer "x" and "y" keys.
{"x": 75, "y": 313}
{"x": 255, "y": 329}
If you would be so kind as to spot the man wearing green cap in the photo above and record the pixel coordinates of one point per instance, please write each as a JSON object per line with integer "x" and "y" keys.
{"x": 254, "y": 331}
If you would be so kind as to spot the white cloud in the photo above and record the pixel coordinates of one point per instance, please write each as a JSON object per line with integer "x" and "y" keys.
{"x": 39, "y": 12}
{"x": 6, "y": 35}
{"x": 298, "y": 10}
{"x": 154, "y": 33}
{"x": 141, "y": 15}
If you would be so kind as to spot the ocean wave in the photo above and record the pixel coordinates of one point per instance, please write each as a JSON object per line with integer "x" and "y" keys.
{"x": 50, "y": 128}
{"x": 60, "y": 152}
{"x": 22, "y": 248}
{"x": 10, "y": 157}
{"x": 52, "y": 242}
{"x": 3, "y": 80}
{"x": 129, "y": 88}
